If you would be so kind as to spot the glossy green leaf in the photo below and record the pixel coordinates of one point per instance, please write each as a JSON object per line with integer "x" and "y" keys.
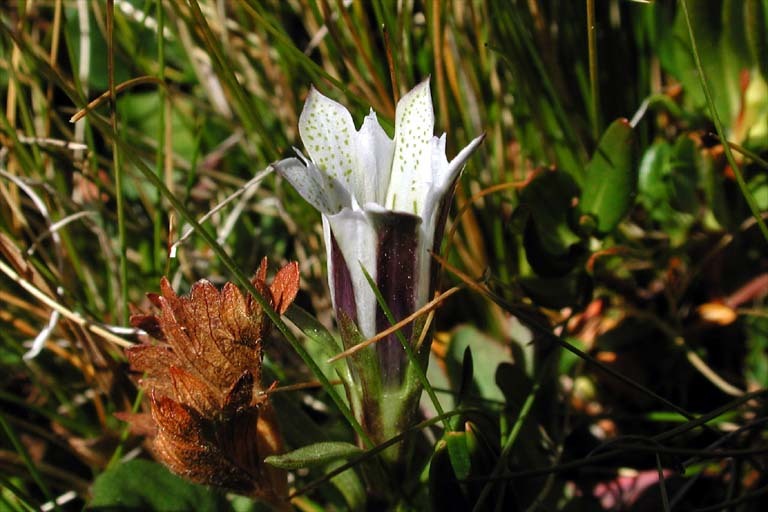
{"x": 551, "y": 245}
{"x": 611, "y": 180}
{"x": 314, "y": 455}
{"x": 663, "y": 179}
{"x": 681, "y": 177}
{"x": 144, "y": 485}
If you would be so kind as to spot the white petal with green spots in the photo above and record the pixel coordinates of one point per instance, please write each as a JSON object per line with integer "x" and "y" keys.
{"x": 411, "y": 176}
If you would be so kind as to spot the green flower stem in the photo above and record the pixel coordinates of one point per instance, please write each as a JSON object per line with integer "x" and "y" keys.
{"x": 117, "y": 167}
{"x": 414, "y": 362}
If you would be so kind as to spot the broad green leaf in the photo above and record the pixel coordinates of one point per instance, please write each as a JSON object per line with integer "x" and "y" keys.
{"x": 551, "y": 245}
{"x": 611, "y": 178}
{"x": 141, "y": 111}
{"x": 439, "y": 379}
{"x": 651, "y": 176}
{"x": 314, "y": 455}
{"x": 487, "y": 354}
{"x": 657, "y": 189}
{"x": 143, "y": 485}
{"x": 681, "y": 177}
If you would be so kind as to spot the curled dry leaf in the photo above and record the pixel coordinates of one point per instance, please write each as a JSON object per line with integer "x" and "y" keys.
{"x": 210, "y": 420}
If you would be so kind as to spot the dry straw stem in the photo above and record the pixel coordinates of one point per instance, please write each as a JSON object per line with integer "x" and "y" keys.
{"x": 133, "y": 82}
{"x": 426, "y": 308}
{"x": 67, "y": 313}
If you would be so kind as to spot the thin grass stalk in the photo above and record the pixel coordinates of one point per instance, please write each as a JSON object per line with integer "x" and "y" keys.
{"x": 117, "y": 168}
{"x": 719, "y": 127}
{"x": 662, "y": 484}
{"x": 594, "y": 84}
{"x": 293, "y": 53}
{"x": 30, "y": 465}
{"x": 245, "y": 109}
{"x": 163, "y": 141}
{"x": 386, "y": 104}
{"x": 54, "y": 53}
{"x": 21, "y": 498}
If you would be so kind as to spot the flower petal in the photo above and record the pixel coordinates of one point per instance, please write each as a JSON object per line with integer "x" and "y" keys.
{"x": 327, "y": 196}
{"x": 458, "y": 161}
{"x": 414, "y": 126}
{"x": 375, "y": 151}
{"x": 327, "y": 130}
{"x": 356, "y": 240}
{"x": 436, "y": 204}
{"x": 398, "y": 261}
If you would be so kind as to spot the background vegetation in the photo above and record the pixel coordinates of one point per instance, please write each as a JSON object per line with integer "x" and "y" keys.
{"x": 610, "y": 246}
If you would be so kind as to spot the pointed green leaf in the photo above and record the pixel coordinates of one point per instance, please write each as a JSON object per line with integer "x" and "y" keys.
{"x": 467, "y": 372}
{"x": 313, "y": 329}
{"x": 487, "y": 354}
{"x": 314, "y": 455}
{"x": 609, "y": 187}
{"x": 458, "y": 452}
{"x": 444, "y": 491}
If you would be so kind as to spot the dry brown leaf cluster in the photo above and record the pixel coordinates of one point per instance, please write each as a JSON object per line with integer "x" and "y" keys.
{"x": 210, "y": 420}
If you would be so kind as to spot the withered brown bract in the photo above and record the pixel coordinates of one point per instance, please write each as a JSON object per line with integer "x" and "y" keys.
{"x": 210, "y": 420}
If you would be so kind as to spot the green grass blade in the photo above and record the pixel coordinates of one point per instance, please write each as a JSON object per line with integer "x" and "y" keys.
{"x": 719, "y": 127}
{"x": 22, "y": 451}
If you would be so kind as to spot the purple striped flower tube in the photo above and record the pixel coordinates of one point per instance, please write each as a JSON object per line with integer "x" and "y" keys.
{"x": 384, "y": 204}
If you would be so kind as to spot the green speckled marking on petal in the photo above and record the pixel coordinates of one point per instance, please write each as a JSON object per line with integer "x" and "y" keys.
{"x": 321, "y": 124}
{"x": 414, "y": 123}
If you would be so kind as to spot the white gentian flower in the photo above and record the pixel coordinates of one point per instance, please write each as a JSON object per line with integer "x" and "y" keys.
{"x": 383, "y": 202}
